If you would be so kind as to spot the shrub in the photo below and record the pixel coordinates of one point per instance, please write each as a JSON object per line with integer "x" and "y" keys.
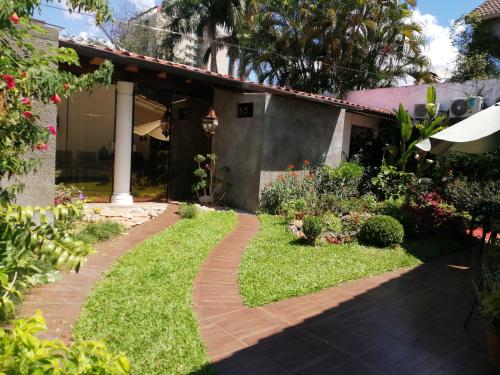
{"x": 332, "y": 223}
{"x": 100, "y": 231}
{"x": 392, "y": 183}
{"x": 287, "y": 187}
{"x": 312, "y": 228}
{"x": 430, "y": 215}
{"x": 467, "y": 195}
{"x": 21, "y": 352}
{"x": 342, "y": 181}
{"x": 352, "y": 223}
{"x": 293, "y": 208}
{"x": 66, "y": 194}
{"x": 188, "y": 211}
{"x": 381, "y": 231}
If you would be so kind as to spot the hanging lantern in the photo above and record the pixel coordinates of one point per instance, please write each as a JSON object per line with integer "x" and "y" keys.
{"x": 210, "y": 122}
{"x": 166, "y": 123}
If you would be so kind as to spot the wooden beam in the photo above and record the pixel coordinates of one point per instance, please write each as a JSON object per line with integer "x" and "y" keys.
{"x": 97, "y": 60}
{"x": 132, "y": 68}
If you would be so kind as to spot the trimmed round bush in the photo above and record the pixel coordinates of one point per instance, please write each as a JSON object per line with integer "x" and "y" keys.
{"x": 312, "y": 228}
{"x": 381, "y": 231}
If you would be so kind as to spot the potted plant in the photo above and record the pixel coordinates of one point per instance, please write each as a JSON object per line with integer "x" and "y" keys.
{"x": 489, "y": 302}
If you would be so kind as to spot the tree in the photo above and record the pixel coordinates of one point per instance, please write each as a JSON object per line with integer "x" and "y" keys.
{"x": 211, "y": 20}
{"x": 332, "y": 45}
{"x": 478, "y": 47}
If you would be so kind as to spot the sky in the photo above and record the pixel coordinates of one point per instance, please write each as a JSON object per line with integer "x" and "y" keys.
{"x": 435, "y": 16}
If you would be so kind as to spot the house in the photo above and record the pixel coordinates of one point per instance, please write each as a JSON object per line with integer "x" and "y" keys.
{"x": 414, "y": 96}
{"x": 103, "y": 147}
{"x": 489, "y": 11}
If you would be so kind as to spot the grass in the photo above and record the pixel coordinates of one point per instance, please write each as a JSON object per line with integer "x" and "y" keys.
{"x": 99, "y": 231}
{"x": 276, "y": 266}
{"x": 143, "y": 305}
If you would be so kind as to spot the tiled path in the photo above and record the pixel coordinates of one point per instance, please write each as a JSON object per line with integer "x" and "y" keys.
{"x": 61, "y": 302}
{"x": 402, "y": 322}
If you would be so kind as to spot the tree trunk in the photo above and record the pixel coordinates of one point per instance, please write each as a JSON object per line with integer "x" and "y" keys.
{"x": 212, "y": 35}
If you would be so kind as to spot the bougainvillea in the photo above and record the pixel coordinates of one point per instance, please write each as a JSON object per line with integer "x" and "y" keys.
{"x": 28, "y": 75}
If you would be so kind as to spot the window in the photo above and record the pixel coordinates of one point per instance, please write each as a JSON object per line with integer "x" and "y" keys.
{"x": 245, "y": 110}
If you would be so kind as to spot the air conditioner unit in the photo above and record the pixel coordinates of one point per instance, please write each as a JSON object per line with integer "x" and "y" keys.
{"x": 420, "y": 111}
{"x": 466, "y": 107}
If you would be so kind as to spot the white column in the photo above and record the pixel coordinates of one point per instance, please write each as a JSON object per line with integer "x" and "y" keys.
{"x": 123, "y": 143}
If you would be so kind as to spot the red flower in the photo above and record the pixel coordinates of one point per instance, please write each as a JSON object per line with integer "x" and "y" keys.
{"x": 25, "y": 101}
{"x": 14, "y": 18}
{"x": 9, "y": 80}
{"x": 52, "y": 130}
{"x": 306, "y": 162}
{"x": 66, "y": 86}
{"x": 291, "y": 166}
{"x": 295, "y": 174}
{"x": 55, "y": 99}
{"x": 42, "y": 147}
{"x": 28, "y": 114}
{"x": 24, "y": 74}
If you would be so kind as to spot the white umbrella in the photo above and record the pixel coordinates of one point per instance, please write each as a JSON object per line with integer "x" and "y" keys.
{"x": 474, "y": 135}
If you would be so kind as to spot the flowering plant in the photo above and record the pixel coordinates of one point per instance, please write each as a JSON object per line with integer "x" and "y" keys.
{"x": 29, "y": 76}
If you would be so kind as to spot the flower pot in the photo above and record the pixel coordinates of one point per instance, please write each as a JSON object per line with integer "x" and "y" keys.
{"x": 493, "y": 341}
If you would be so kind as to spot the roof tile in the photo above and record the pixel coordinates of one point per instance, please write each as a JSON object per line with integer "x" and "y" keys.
{"x": 489, "y": 9}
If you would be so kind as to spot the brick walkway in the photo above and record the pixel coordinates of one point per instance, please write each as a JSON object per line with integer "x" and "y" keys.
{"x": 61, "y": 301}
{"x": 402, "y": 322}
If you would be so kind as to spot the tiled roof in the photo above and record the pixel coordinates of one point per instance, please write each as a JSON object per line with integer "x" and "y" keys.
{"x": 489, "y": 9}
{"x": 221, "y": 79}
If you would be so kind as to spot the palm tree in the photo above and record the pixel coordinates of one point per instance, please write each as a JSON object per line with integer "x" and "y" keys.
{"x": 205, "y": 18}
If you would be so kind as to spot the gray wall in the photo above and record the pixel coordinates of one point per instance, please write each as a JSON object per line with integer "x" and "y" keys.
{"x": 39, "y": 186}
{"x": 282, "y": 131}
{"x": 238, "y": 145}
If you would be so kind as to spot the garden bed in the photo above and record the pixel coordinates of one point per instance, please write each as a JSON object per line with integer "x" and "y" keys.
{"x": 143, "y": 305}
{"x": 277, "y": 265}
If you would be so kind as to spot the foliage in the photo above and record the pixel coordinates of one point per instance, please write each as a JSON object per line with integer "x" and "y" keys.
{"x": 291, "y": 185}
{"x": 478, "y": 47}
{"x": 489, "y": 297}
{"x": 478, "y": 167}
{"x": 382, "y": 231}
{"x": 353, "y": 222}
{"x": 211, "y": 185}
{"x": 98, "y": 231}
{"x": 294, "y": 208}
{"x": 188, "y": 211}
{"x": 28, "y": 237}
{"x": 143, "y": 305}
{"x": 392, "y": 183}
{"x": 332, "y": 223}
{"x": 204, "y": 18}
{"x": 312, "y": 228}
{"x": 342, "y": 181}
{"x": 466, "y": 195}
{"x": 276, "y": 267}
{"x": 66, "y": 194}
{"x": 430, "y": 215}
{"x": 408, "y": 137}
{"x": 343, "y": 206}
{"x": 333, "y": 46}
{"x": 22, "y": 352}
{"x": 28, "y": 75}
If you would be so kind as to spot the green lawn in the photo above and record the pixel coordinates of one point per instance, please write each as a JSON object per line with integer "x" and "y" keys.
{"x": 143, "y": 305}
{"x": 276, "y": 266}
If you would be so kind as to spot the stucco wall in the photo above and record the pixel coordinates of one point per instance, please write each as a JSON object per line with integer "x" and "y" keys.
{"x": 389, "y": 98}
{"x": 39, "y": 186}
{"x": 238, "y": 145}
{"x": 296, "y": 131}
{"x": 281, "y": 132}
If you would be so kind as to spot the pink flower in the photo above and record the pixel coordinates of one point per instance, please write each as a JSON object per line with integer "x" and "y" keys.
{"x": 14, "y": 18}
{"x": 42, "y": 147}
{"x": 9, "y": 80}
{"x": 28, "y": 114}
{"x": 52, "y": 130}
{"x": 55, "y": 99}
{"x": 25, "y": 101}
